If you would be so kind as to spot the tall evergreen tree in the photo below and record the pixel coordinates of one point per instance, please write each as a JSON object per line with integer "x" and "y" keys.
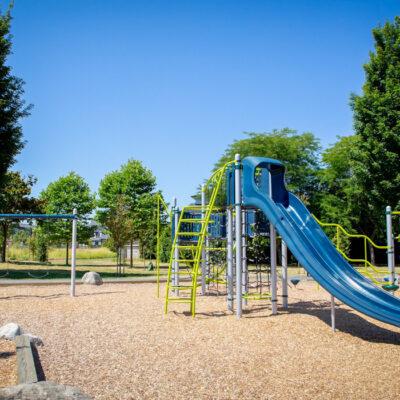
{"x": 12, "y": 105}
{"x": 377, "y": 124}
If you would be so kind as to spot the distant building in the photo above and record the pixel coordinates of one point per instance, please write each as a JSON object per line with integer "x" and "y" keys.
{"x": 98, "y": 238}
{"x": 135, "y": 251}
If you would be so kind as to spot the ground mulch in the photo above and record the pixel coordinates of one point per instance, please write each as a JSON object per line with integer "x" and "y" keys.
{"x": 114, "y": 342}
{"x": 8, "y": 363}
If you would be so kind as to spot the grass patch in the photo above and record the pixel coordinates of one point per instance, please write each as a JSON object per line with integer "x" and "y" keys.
{"x": 58, "y": 253}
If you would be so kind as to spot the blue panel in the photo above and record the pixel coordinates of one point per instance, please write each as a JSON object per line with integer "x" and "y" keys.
{"x": 230, "y": 185}
{"x": 312, "y": 248}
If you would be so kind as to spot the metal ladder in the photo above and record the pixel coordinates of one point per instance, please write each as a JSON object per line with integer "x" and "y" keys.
{"x": 187, "y": 249}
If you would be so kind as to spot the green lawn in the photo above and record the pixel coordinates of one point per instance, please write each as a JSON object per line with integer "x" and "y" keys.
{"x": 57, "y": 270}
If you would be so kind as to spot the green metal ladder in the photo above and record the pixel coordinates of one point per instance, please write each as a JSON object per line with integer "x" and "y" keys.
{"x": 190, "y": 255}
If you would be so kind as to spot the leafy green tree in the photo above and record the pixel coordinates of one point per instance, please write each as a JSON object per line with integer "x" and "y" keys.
{"x": 376, "y": 158}
{"x": 136, "y": 183}
{"x": 12, "y": 106}
{"x": 61, "y": 197}
{"x": 338, "y": 189}
{"x": 41, "y": 244}
{"x": 15, "y": 198}
{"x": 119, "y": 226}
{"x": 299, "y": 153}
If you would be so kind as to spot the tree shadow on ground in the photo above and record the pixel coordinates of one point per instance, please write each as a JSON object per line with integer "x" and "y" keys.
{"x": 56, "y": 295}
{"x": 39, "y": 274}
{"x": 346, "y": 321}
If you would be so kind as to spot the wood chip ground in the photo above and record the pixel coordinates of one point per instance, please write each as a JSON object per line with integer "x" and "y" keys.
{"x": 8, "y": 363}
{"x": 114, "y": 342}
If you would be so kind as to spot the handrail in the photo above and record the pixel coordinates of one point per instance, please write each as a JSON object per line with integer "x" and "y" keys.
{"x": 353, "y": 235}
{"x": 366, "y": 262}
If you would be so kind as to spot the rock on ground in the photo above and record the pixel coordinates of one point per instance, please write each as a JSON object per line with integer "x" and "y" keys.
{"x": 92, "y": 278}
{"x": 42, "y": 391}
{"x": 10, "y": 331}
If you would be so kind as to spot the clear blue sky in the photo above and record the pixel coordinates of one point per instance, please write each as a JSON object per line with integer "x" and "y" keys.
{"x": 172, "y": 83}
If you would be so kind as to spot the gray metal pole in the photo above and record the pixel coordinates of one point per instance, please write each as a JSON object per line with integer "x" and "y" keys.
{"x": 284, "y": 275}
{"x": 333, "y": 321}
{"x": 274, "y": 278}
{"x": 175, "y": 278}
{"x": 238, "y": 235}
{"x": 73, "y": 253}
{"x": 390, "y": 244}
{"x": 229, "y": 257}
{"x": 203, "y": 251}
{"x": 244, "y": 259}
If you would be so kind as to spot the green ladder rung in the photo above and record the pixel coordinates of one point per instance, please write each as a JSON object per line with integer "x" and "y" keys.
{"x": 188, "y": 233}
{"x": 179, "y": 300}
{"x": 183, "y": 246}
{"x": 183, "y": 273}
{"x": 181, "y": 287}
{"x": 193, "y": 220}
{"x": 221, "y": 281}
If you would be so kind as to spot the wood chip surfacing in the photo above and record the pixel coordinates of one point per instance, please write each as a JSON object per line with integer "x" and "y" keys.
{"x": 114, "y": 342}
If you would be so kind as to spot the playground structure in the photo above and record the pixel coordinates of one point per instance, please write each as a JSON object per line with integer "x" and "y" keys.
{"x": 258, "y": 184}
{"x": 72, "y": 217}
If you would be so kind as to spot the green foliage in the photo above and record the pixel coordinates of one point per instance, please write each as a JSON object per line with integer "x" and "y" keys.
{"x": 338, "y": 186}
{"x": 15, "y": 198}
{"x": 299, "y": 153}
{"x": 118, "y": 223}
{"x": 12, "y": 106}
{"x": 41, "y": 247}
{"x": 377, "y": 125}
{"x": 61, "y": 197}
{"x": 135, "y": 184}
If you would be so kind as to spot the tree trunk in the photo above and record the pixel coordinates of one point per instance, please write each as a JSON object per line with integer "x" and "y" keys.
{"x": 131, "y": 260}
{"x": 3, "y": 252}
{"x": 372, "y": 254}
{"x": 66, "y": 254}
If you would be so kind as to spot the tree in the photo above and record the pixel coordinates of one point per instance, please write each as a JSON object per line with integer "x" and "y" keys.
{"x": 15, "y": 198}
{"x": 337, "y": 191}
{"x": 136, "y": 183}
{"x": 119, "y": 227}
{"x": 12, "y": 106}
{"x": 376, "y": 158}
{"x": 61, "y": 197}
{"x": 299, "y": 153}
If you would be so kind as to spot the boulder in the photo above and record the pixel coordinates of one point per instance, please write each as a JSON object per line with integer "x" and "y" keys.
{"x": 92, "y": 278}
{"x": 36, "y": 340}
{"x": 42, "y": 391}
{"x": 10, "y": 331}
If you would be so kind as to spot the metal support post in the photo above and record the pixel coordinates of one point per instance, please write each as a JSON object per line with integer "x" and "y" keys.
{"x": 284, "y": 275}
{"x": 73, "y": 253}
{"x": 229, "y": 257}
{"x": 203, "y": 250}
{"x": 274, "y": 278}
{"x": 244, "y": 259}
{"x": 238, "y": 235}
{"x": 333, "y": 322}
{"x": 175, "y": 278}
{"x": 390, "y": 244}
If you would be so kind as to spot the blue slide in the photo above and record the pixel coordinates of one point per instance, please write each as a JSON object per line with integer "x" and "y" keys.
{"x": 309, "y": 244}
